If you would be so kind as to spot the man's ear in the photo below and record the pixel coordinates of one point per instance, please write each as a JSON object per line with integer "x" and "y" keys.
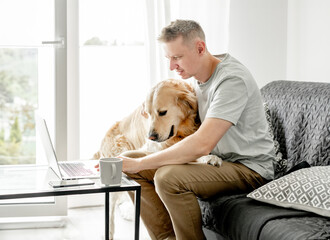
{"x": 143, "y": 112}
{"x": 201, "y": 47}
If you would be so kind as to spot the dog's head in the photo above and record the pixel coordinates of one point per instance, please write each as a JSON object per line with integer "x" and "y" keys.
{"x": 171, "y": 107}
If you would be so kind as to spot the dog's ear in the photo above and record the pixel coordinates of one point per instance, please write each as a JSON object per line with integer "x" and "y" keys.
{"x": 187, "y": 100}
{"x": 143, "y": 112}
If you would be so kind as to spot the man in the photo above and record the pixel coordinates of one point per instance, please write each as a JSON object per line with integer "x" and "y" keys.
{"x": 233, "y": 127}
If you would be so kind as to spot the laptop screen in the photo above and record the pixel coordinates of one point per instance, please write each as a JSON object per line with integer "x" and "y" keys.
{"x": 47, "y": 144}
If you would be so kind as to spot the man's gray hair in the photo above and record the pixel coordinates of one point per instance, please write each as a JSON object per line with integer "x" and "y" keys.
{"x": 188, "y": 29}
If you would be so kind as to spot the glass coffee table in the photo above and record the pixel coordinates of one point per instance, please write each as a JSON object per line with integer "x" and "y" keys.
{"x": 33, "y": 181}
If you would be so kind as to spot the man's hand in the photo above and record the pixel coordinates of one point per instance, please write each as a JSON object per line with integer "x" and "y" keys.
{"x": 131, "y": 165}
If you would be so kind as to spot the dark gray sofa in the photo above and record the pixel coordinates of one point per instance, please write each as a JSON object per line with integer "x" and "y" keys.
{"x": 300, "y": 118}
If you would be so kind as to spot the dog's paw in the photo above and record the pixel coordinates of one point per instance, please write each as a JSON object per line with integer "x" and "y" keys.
{"x": 213, "y": 160}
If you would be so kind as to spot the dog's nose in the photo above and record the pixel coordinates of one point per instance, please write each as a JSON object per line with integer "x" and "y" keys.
{"x": 153, "y": 136}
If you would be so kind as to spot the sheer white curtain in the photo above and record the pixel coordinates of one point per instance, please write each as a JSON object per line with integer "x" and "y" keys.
{"x": 158, "y": 16}
{"x": 212, "y": 15}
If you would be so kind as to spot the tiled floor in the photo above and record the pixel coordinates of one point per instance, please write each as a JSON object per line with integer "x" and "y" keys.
{"x": 81, "y": 223}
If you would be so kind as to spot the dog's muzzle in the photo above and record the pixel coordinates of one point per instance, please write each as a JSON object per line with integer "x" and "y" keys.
{"x": 154, "y": 136}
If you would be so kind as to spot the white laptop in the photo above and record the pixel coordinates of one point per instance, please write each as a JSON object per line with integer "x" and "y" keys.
{"x": 68, "y": 169}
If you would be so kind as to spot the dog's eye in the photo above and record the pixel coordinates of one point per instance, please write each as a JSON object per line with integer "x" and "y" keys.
{"x": 162, "y": 113}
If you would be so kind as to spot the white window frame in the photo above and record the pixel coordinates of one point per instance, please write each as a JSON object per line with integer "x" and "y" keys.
{"x": 73, "y": 125}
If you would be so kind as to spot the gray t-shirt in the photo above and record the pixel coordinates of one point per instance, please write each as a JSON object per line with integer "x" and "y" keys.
{"x": 233, "y": 95}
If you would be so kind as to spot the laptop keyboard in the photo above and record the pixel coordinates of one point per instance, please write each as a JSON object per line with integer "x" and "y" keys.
{"x": 76, "y": 169}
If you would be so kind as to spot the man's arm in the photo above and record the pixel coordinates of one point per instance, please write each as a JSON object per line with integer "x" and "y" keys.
{"x": 189, "y": 149}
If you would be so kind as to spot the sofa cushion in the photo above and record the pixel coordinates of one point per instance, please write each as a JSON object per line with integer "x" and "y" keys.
{"x": 297, "y": 228}
{"x": 307, "y": 189}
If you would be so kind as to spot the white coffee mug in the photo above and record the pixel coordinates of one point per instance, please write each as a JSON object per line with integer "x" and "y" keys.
{"x": 111, "y": 171}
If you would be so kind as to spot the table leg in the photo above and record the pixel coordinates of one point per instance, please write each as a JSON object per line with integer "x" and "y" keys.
{"x": 107, "y": 202}
{"x": 137, "y": 202}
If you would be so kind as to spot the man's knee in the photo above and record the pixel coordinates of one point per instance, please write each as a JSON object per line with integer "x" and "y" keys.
{"x": 166, "y": 178}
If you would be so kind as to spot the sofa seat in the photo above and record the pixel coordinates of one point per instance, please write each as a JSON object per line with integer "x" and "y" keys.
{"x": 241, "y": 218}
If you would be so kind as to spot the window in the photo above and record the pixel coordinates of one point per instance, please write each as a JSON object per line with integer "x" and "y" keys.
{"x": 31, "y": 77}
{"x": 26, "y": 76}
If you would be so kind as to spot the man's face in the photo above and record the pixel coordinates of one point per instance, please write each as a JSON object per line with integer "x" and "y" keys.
{"x": 183, "y": 58}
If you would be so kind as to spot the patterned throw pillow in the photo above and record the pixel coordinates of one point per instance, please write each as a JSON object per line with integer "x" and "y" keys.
{"x": 307, "y": 189}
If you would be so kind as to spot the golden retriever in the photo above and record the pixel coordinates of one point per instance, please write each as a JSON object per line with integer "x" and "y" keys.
{"x": 169, "y": 114}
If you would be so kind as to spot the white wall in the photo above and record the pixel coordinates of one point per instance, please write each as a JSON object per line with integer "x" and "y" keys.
{"x": 309, "y": 40}
{"x": 257, "y": 37}
{"x": 212, "y": 15}
{"x": 281, "y": 39}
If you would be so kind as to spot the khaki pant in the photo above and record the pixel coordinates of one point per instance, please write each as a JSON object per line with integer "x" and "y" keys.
{"x": 169, "y": 207}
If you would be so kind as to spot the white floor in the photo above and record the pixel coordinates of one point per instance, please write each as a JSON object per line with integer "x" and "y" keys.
{"x": 81, "y": 223}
